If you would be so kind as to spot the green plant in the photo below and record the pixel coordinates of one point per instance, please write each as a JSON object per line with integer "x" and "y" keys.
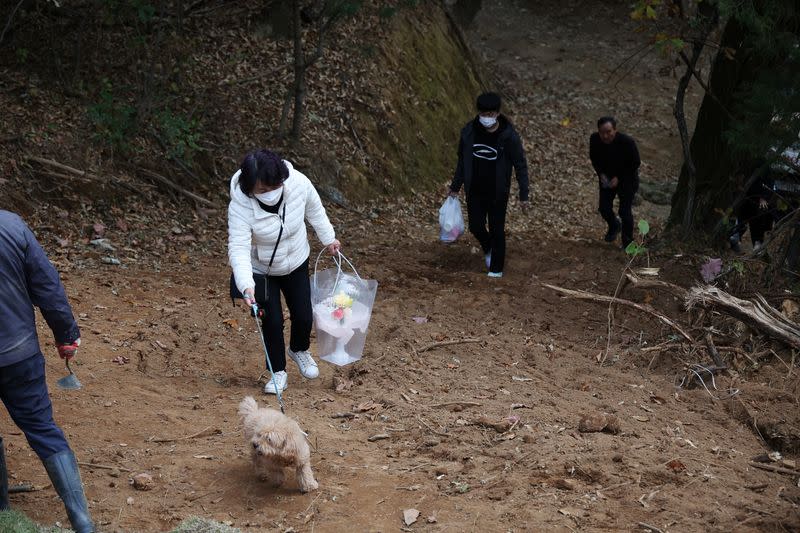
{"x": 195, "y": 524}
{"x": 16, "y": 522}
{"x": 180, "y": 134}
{"x": 114, "y": 121}
{"x": 634, "y": 248}
{"x": 387, "y": 12}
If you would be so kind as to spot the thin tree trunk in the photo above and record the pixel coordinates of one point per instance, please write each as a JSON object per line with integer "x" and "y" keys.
{"x": 299, "y": 85}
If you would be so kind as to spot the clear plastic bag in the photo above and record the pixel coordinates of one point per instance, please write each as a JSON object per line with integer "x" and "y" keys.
{"x": 342, "y": 305}
{"x": 451, "y": 221}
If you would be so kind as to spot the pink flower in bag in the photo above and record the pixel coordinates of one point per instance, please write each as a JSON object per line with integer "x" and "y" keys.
{"x": 338, "y": 313}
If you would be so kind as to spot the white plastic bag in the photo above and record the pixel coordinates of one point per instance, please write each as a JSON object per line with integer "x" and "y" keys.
{"x": 451, "y": 221}
{"x": 342, "y": 305}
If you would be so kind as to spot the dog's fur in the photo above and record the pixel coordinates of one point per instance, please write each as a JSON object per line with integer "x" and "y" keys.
{"x": 275, "y": 442}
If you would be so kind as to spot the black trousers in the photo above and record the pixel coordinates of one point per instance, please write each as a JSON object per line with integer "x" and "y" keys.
{"x": 759, "y": 220}
{"x": 296, "y": 288}
{"x": 626, "y": 192}
{"x": 479, "y": 209}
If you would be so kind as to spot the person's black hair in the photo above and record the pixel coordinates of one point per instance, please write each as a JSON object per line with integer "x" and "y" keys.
{"x": 261, "y": 166}
{"x": 488, "y": 102}
{"x": 603, "y": 120}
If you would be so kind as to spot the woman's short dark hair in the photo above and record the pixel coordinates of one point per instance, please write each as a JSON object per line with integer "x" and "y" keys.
{"x": 603, "y": 120}
{"x": 262, "y": 166}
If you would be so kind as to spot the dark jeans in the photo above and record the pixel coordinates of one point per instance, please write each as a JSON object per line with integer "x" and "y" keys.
{"x": 23, "y": 390}
{"x": 626, "y": 193}
{"x": 479, "y": 208}
{"x": 296, "y": 288}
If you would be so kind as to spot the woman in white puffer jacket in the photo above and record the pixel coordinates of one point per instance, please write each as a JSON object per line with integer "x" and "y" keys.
{"x": 268, "y": 251}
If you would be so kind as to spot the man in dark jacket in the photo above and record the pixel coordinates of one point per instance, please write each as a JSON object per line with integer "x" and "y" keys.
{"x": 28, "y": 279}
{"x": 488, "y": 150}
{"x": 615, "y": 158}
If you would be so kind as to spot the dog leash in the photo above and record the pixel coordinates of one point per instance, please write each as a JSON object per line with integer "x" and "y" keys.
{"x": 256, "y": 313}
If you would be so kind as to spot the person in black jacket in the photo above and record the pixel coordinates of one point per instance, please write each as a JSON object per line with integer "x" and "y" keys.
{"x": 28, "y": 279}
{"x": 488, "y": 150}
{"x": 615, "y": 158}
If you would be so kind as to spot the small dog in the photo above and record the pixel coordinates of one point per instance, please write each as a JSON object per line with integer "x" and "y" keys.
{"x": 276, "y": 441}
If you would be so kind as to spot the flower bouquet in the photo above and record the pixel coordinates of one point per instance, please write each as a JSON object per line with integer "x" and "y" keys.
{"x": 342, "y": 306}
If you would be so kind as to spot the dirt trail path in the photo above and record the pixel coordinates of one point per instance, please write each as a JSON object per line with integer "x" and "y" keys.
{"x": 680, "y": 462}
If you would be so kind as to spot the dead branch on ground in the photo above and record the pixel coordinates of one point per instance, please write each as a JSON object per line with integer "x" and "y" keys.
{"x": 756, "y": 314}
{"x": 583, "y": 295}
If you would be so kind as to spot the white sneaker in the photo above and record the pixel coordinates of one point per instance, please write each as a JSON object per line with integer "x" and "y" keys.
{"x": 279, "y": 380}
{"x": 495, "y": 274}
{"x": 306, "y": 363}
{"x": 488, "y": 258}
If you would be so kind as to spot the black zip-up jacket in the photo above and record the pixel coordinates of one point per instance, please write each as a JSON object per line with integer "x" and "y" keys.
{"x": 510, "y": 155}
{"x": 620, "y": 158}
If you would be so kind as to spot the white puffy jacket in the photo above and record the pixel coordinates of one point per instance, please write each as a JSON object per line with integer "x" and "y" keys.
{"x": 253, "y": 232}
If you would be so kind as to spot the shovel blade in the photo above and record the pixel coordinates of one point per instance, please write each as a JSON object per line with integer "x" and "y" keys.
{"x": 69, "y": 382}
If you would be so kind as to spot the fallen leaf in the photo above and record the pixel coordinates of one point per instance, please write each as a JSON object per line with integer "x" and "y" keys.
{"x": 121, "y": 360}
{"x": 99, "y": 230}
{"x": 676, "y": 466}
{"x": 641, "y": 418}
{"x": 410, "y": 516}
{"x": 203, "y": 456}
{"x": 379, "y": 436}
{"x": 420, "y": 319}
{"x": 366, "y": 406}
{"x": 231, "y": 323}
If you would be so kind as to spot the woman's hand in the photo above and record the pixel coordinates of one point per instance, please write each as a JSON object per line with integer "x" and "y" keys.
{"x": 249, "y": 297}
{"x": 334, "y": 247}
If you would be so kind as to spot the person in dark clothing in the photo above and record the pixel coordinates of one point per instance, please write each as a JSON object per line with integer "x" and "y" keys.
{"x": 754, "y": 210}
{"x": 615, "y": 158}
{"x": 488, "y": 150}
{"x": 28, "y": 279}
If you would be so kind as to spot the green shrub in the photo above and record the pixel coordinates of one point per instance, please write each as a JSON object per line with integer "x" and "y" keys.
{"x": 195, "y": 524}
{"x": 114, "y": 121}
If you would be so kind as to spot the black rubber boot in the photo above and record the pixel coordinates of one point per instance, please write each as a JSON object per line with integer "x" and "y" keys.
{"x": 63, "y": 471}
{"x": 4, "y": 505}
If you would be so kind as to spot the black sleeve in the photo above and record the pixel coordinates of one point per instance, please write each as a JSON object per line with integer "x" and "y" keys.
{"x": 520, "y": 167}
{"x": 594, "y": 155}
{"x": 458, "y": 176}
{"x": 634, "y": 161}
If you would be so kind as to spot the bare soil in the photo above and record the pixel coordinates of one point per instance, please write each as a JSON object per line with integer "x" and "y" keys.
{"x": 166, "y": 356}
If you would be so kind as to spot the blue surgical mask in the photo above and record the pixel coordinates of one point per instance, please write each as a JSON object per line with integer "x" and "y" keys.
{"x": 271, "y": 197}
{"x": 487, "y": 122}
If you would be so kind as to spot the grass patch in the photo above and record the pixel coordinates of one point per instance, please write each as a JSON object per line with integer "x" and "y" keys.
{"x": 195, "y": 524}
{"x": 16, "y": 522}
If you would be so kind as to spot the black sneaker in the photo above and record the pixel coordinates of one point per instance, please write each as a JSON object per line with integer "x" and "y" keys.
{"x": 612, "y": 233}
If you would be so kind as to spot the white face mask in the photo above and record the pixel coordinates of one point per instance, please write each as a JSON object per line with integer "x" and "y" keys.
{"x": 487, "y": 122}
{"x": 271, "y": 197}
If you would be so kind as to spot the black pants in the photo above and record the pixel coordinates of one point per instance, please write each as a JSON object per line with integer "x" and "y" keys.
{"x": 297, "y": 291}
{"x": 479, "y": 208}
{"x": 626, "y": 193}
{"x": 759, "y": 220}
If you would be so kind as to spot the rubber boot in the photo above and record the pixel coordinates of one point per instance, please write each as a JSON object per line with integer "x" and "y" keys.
{"x": 3, "y": 479}
{"x": 63, "y": 471}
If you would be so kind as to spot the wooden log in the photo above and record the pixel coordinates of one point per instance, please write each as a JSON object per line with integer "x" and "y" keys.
{"x": 161, "y": 179}
{"x": 641, "y": 283}
{"x": 583, "y": 295}
{"x": 756, "y": 314}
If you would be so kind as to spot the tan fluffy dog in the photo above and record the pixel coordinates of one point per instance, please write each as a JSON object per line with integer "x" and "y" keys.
{"x": 276, "y": 441}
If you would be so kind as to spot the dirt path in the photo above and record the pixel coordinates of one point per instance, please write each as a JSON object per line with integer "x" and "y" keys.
{"x": 680, "y": 462}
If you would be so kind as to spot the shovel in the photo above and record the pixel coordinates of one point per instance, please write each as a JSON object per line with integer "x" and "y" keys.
{"x": 70, "y": 381}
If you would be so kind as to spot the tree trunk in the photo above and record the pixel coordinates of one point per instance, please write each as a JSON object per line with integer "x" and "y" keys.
{"x": 713, "y": 162}
{"x": 299, "y": 86}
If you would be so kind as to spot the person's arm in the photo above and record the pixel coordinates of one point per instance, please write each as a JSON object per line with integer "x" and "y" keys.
{"x": 240, "y": 235}
{"x": 594, "y": 155}
{"x": 47, "y": 292}
{"x": 458, "y": 176}
{"x": 520, "y": 167}
{"x": 318, "y": 218}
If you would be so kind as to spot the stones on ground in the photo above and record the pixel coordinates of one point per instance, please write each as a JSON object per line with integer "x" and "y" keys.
{"x": 597, "y": 422}
{"x": 410, "y": 516}
{"x": 143, "y": 481}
